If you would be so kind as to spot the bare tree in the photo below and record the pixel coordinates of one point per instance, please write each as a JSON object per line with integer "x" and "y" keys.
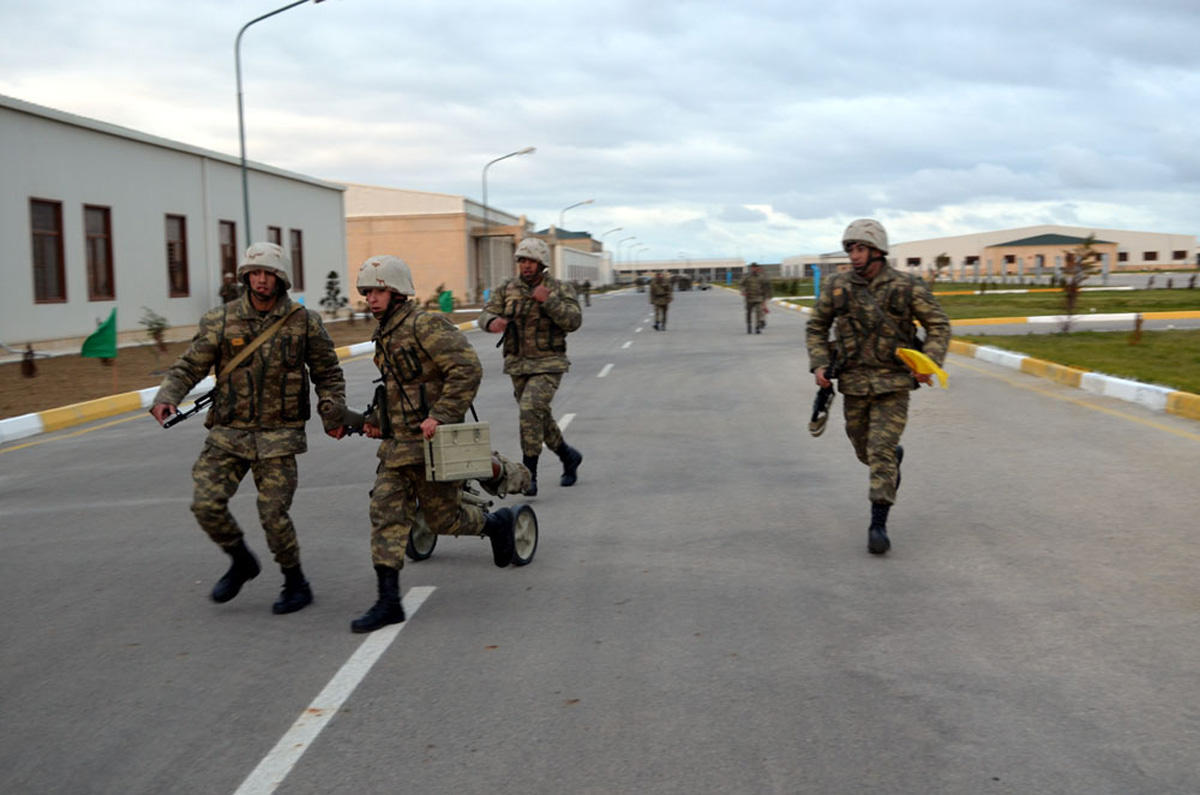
{"x": 1081, "y": 262}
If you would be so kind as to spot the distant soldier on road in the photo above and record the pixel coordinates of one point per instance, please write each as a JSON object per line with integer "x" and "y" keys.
{"x": 535, "y": 312}
{"x": 256, "y": 423}
{"x": 660, "y": 297}
{"x": 431, "y": 374}
{"x": 756, "y": 290}
{"x": 587, "y": 292}
{"x": 872, "y": 308}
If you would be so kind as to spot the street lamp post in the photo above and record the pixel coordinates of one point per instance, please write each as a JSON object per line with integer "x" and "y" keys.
{"x": 237, "y": 62}
{"x": 487, "y": 224}
{"x": 563, "y": 211}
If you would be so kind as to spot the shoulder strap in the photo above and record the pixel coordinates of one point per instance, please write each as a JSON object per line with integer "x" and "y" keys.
{"x": 256, "y": 342}
{"x": 884, "y": 316}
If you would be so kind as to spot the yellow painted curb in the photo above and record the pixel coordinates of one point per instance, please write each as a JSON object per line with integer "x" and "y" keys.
{"x": 1185, "y": 404}
{"x": 1070, "y": 376}
{"x": 89, "y": 410}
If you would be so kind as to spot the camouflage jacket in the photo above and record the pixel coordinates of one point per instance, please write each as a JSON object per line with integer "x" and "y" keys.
{"x": 259, "y": 409}
{"x": 756, "y": 288}
{"x": 866, "y": 344}
{"x": 535, "y": 340}
{"x": 660, "y": 292}
{"x": 430, "y": 370}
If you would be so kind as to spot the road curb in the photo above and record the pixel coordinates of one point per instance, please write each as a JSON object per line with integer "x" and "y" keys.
{"x": 57, "y": 419}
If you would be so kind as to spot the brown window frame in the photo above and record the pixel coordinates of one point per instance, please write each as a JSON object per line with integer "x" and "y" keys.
{"x": 1010, "y": 259}
{"x": 1179, "y": 254}
{"x": 227, "y": 250}
{"x": 1122, "y": 256}
{"x": 971, "y": 260}
{"x": 275, "y": 235}
{"x": 97, "y": 245}
{"x": 177, "y": 257}
{"x": 296, "y": 244}
{"x": 41, "y": 238}
{"x": 1150, "y": 256}
{"x": 913, "y": 262}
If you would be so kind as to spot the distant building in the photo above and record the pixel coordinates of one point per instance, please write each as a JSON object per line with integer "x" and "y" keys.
{"x": 95, "y": 217}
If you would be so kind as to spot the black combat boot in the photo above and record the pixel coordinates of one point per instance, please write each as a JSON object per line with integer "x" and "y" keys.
{"x": 498, "y": 527}
{"x": 296, "y": 594}
{"x": 571, "y": 459}
{"x": 899, "y": 459}
{"x": 877, "y": 538}
{"x": 243, "y": 569}
{"x": 530, "y": 462}
{"x": 387, "y": 610}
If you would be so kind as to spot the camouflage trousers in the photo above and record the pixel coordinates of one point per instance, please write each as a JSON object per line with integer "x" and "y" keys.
{"x": 397, "y": 494}
{"x": 215, "y": 478}
{"x": 533, "y": 394}
{"x": 874, "y": 424}
{"x": 754, "y": 313}
{"x": 660, "y": 314}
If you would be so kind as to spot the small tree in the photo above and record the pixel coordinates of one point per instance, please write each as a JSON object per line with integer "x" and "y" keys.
{"x": 156, "y": 327}
{"x": 1080, "y": 264}
{"x": 333, "y": 300}
{"x": 940, "y": 263}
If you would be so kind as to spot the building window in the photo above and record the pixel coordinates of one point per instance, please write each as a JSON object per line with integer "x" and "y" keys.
{"x": 1178, "y": 254}
{"x": 972, "y": 260}
{"x": 1122, "y": 256}
{"x": 49, "y": 278}
{"x": 227, "y": 236}
{"x": 1009, "y": 259}
{"x": 913, "y": 262}
{"x": 97, "y": 237}
{"x": 177, "y": 262}
{"x": 275, "y": 235}
{"x": 297, "y": 253}
{"x": 1150, "y": 256}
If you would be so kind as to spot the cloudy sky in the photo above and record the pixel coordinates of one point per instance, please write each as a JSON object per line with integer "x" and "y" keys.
{"x": 754, "y": 129}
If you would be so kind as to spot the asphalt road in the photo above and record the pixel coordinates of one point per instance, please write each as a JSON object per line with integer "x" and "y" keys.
{"x": 702, "y": 614}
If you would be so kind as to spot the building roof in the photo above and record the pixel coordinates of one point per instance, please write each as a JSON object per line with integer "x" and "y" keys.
{"x": 1048, "y": 240}
{"x": 563, "y": 234}
{"x": 62, "y": 117}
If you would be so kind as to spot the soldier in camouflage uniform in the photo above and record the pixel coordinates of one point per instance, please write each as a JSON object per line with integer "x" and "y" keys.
{"x": 256, "y": 423}
{"x": 756, "y": 289}
{"x": 535, "y": 312}
{"x": 230, "y": 290}
{"x": 660, "y": 296}
{"x": 430, "y": 373}
{"x": 872, "y": 309}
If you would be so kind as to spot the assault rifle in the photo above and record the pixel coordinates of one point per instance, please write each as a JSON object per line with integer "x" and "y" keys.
{"x": 202, "y": 402}
{"x": 824, "y": 399}
{"x": 377, "y": 410}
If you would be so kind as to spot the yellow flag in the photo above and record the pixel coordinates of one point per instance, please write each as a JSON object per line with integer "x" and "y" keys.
{"x": 921, "y": 364}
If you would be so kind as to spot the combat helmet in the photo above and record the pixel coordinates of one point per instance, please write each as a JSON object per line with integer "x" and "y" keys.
{"x": 384, "y": 270}
{"x": 533, "y": 248}
{"x": 267, "y": 257}
{"x": 867, "y": 231}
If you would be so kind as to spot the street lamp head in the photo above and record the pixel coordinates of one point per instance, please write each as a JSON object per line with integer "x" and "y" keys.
{"x": 527, "y": 150}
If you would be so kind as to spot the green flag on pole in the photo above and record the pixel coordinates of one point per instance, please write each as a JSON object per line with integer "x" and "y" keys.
{"x": 103, "y": 342}
{"x": 446, "y": 301}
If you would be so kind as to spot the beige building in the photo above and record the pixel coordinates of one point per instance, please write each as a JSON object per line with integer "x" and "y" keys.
{"x": 1040, "y": 250}
{"x": 445, "y": 240}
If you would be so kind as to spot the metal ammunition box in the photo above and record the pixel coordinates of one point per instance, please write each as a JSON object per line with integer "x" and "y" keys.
{"x": 459, "y": 451}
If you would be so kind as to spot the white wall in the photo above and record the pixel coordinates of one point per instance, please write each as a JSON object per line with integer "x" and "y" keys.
{"x": 46, "y": 154}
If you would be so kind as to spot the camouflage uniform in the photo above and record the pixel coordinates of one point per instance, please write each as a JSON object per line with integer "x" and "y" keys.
{"x": 874, "y": 382}
{"x": 430, "y": 371}
{"x": 660, "y": 296}
{"x": 756, "y": 289}
{"x": 256, "y": 422}
{"x": 230, "y": 291}
{"x": 535, "y": 352}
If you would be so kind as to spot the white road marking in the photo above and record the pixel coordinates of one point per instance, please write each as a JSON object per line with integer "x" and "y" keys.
{"x": 604, "y": 370}
{"x": 564, "y": 421}
{"x": 627, "y": 344}
{"x": 637, "y": 330}
{"x": 276, "y": 765}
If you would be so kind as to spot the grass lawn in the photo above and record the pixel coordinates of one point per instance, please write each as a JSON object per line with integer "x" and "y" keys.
{"x": 961, "y": 307}
{"x": 1167, "y": 358}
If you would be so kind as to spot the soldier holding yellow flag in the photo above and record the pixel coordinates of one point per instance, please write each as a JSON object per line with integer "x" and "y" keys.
{"x": 872, "y": 309}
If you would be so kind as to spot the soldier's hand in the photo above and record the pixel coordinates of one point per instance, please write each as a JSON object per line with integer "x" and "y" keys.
{"x": 429, "y": 427}
{"x": 541, "y": 293}
{"x": 822, "y": 381}
{"x": 924, "y": 378}
{"x": 162, "y": 411}
{"x": 337, "y": 433}
{"x": 497, "y": 325}
{"x": 372, "y": 431}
